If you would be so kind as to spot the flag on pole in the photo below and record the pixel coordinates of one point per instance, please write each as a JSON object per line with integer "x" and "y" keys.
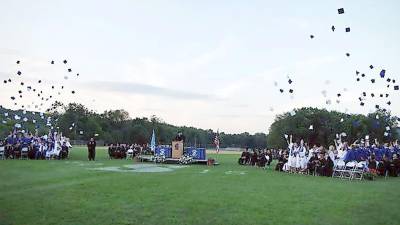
{"x": 216, "y": 142}
{"x": 153, "y": 142}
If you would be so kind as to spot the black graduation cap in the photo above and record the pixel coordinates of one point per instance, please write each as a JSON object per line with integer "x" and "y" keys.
{"x": 357, "y": 72}
{"x": 65, "y": 61}
{"x": 52, "y": 87}
{"x": 52, "y": 62}
{"x": 19, "y": 72}
{"x": 364, "y": 94}
{"x": 333, "y": 28}
{"x": 281, "y": 90}
{"x": 362, "y": 103}
{"x": 39, "y": 81}
{"x": 12, "y": 98}
{"x": 20, "y": 92}
{"x": 377, "y": 106}
{"x": 62, "y": 87}
{"x": 347, "y": 29}
{"x": 38, "y": 95}
{"x": 394, "y": 81}
{"x": 358, "y": 79}
{"x": 311, "y": 36}
{"x": 363, "y": 75}
{"x": 340, "y": 11}
{"x": 381, "y": 95}
{"x": 41, "y": 92}
{"x": 34, "y": 90}
{"x": 73, "y": 92}
{"x": 5, "y": 81}
{"x": 69, "y": 70}
{"x": 388, "y": 85}
{"x": 9, "y": 80}
{"x": 388, "y": 80}
{"x": 50, "y": 96}
{"x": 373, "y": 80}
{"x": 388, "y": 103}
{"x": 18, "y": 62}
{"x": 387, "y": 95}
{"x": 290, "y": 81}
{"x": 20, "y": 96}
{"x": 22, "y": 83}
{"x": 396, "y": 88}
{"x": 372, "y": 95}
{"x": 77, "y": 74}
{"x": 382, "y": 73}
{"x": 290, "y": 90}
{"x": 339, "y": 95}
{"x": 359, "y": 98}
{"x": 348, "y": 54}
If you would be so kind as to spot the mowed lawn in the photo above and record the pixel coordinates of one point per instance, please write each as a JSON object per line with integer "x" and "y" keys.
{"x": 70, "y": 192}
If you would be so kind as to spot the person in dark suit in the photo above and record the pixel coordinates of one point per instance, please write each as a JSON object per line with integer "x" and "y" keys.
{"x": 91, "y": 149}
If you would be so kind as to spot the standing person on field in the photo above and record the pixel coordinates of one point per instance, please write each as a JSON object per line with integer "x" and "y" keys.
{"x": 91, "y": 149}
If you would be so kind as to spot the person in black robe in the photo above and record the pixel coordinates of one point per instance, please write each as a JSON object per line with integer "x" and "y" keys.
{"x": 262, "y": 159}
{"x": 242, "y": 160}
{"x": 254, "y": 158}
{"x": 282, "y": 159}
{"x": 312, "y": 164}
{"x": 372, "y": 165}
{"x": 91, "y": 149}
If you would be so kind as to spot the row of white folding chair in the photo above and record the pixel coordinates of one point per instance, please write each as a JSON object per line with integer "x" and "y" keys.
{"x": 350, "y": 170}
{"x": 24, "y": 153}
{"x": 2, "y": 152}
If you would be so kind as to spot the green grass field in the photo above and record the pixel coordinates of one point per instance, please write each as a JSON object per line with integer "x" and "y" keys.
{"x": 70, "y": 192}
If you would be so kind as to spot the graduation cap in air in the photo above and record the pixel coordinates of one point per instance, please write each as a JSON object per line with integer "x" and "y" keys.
{"x": 396, "y": 88}
{"x": 358, "y": 79}
{"x": 77, "y": 74}
{"x": 372, "y": 95}
{"x": 39, "y": 81}
{"x": 52, "y": 87}
{"x": 389, "y": 103}
{"x": 347, "y": 29}
{"x": 19, "y": 72}
{"x": 290, "y": 81}
{"x": 388, "y": 80}
{"x": 362, "y": 103}
{"x": 311, "y": 36}
{"x": 9, "y": 80}
{"x": 65, "y": 61}
{"x": 340, "y": 10}
{"x": 333, "y": 28}
{"x": 372, "y": 80}
{"x": 22, "y": 83}
{"x": 339, "y": 95}
{"x": 5, "y": 81}
{"x": 20, "y": 92}
{"x": 52, "y": 62}
{"x": 73, "y": 92}
{"x": 69, "y": 70}
{"x": 364, "y": 94}
{"x": 348, "y": 54}
{"x": 387, "y": 95}
{"x": 18, "y": 62}
{"x": 362, "y": 75}
{"x": 394, "y": 81}
{"x": 382, "y": 73}
{"x": 371, "y": 67}
{"x": 290, "y": 90}
{"x": 12, "y": 98}
{"x": 381, "y": 95}
{"x": 281, "y": 90}
{"x": 357, "y": 72}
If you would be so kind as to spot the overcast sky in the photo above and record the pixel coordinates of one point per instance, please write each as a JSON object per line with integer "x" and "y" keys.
{"x": 208, "y": 64}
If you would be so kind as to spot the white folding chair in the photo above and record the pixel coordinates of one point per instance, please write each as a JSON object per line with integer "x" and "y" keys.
{"x": 339, "y": 169}
{"x": 348, "y": 171}
{"x": 358, "y": 171}
{"x": 24, "y": 153}
{"x": 129, "y": 154}
{"x": 2, "y": 152}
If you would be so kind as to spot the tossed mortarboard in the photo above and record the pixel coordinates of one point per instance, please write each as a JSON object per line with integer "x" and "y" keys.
{"x": 18, "y": 62}
{"x": 381, "y": 95}
{"x": 388, "y": 80}
{"x": 5, "y": 81}
{"x": 377, "y": 106}
{"x": 387, "y": 95}
{"x": 348, "y": 54}
{"x": 362, "y": 75}
{"x": 65, "y": 61}
{"x": 372, "y": 80}
{"x": 394, "y": 81}
{"x": 19, "y": 72}
{"x": 333, "y": 28}
{"x": 281, "y": 90}
{"x": 372, "y": 95}
{"x": 22, "y": 83}
{"x": 311, "y": 36}
{"x": 340, "y": 10}
{"x": 52, "y": 62}
{"x": 358, "y": 79}
{"x": 77, "y": 74}
{"x": 69, "y": 70}
{"x": 362, "y": 103}
{"x": 20, "y": 92}
{"x": 73, "y": 92}
{"x": 388, "y": 103}
{"x": 396, "y": 88}
{"x": 290, "y": 81}
{"x": 347, "y": 29}
{"x": 357, "y": 72}
{"x": 39, "y": 81}
{"x": 290, "y": 90}
{"x": 9, "y": 80}
{"x": 382, "y": 73}
{"x": 339, "y": 95}
{"x": 371, "y": 67}
{"x": 12, "y": 98}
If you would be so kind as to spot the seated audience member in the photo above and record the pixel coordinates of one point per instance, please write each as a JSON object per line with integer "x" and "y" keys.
{"x": 64, "y": 151}
{"x": 282, "y": 160}
{"x": 372, "y": 165}
{"x": 242, "y": 160}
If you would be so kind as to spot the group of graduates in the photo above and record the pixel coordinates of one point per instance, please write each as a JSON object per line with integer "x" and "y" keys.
{"x": 300, "y": 158}
{"x": 21, "y": 144}
{"x": 121, "y": 151}
{"x": 259, "y": 157}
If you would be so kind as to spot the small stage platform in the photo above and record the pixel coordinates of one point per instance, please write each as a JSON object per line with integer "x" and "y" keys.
{"x": 150, "y": 158}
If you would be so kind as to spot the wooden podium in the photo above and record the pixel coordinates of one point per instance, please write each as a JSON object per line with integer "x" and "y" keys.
{"x": 177, "y": 149}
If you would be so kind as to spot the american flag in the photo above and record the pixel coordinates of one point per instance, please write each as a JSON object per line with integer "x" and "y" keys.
{"x": 216, "y": 142}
